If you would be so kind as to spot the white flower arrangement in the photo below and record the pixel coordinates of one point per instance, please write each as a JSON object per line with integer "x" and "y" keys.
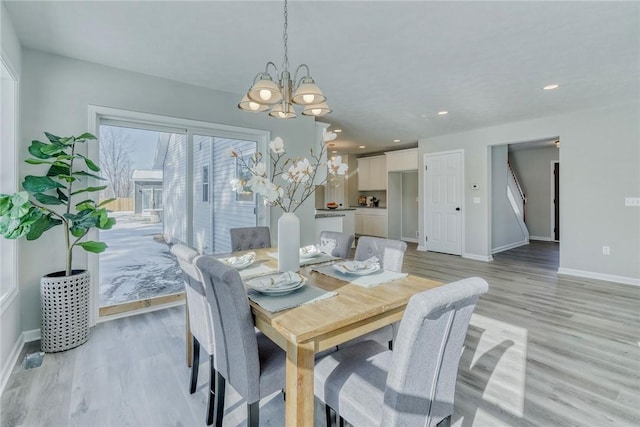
{"x": 298, "y": 174}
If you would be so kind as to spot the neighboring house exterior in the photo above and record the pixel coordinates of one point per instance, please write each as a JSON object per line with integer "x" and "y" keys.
{"x": 216, "y": 207}
{"x": 147, "y": 191}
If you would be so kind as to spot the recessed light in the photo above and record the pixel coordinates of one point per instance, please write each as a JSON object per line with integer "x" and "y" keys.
{"x": 362, "y": 146}
{"x": 442, "y": 113}
{"x": 396, "y": 140}
{"x": 551, "y": 87}
{"x": 337, "y": 130}
{"x": 334, "y": 152}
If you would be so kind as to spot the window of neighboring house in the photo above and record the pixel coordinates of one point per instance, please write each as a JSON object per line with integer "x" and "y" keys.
{"x": 8, "y": 110}
{"x": 246, "y": 195}
{"x": 205, "y": 183}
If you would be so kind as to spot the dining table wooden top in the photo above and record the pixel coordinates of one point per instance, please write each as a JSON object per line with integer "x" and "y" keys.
{"x": 310, "y": 328}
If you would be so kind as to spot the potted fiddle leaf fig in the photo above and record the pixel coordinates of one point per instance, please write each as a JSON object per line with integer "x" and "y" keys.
{"x": 59, "y": 198}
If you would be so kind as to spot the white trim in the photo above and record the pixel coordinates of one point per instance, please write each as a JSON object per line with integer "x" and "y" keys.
{"x": 600, "y": 276}
{"x": 553, "y": 196}
{"x": 409, "y": 239}
{"x": 11, "y": 361}
{"x": 32, "y": 335}
{"x": 8, "y": 298}
{"x": 422, "y": 248}
{"x": 462, "y": 194}
{"x": 509, "y": 246}
{"x": 541, "y": 238}
{"x": 476, "y": 257}
{"x": 145, "y": 310}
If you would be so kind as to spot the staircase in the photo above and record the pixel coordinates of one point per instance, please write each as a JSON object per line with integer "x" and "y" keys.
{"x": 517, "y": 199}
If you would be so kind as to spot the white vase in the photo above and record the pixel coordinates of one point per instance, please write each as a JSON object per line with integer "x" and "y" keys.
{"x": 288, "y": 242}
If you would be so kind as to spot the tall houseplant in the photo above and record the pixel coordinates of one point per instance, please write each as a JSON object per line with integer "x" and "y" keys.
{"x": 48, "y": 201}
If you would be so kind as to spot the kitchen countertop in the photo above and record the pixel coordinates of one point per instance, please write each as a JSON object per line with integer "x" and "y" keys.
{"x": 337, "y": 209}
{"x": 328, "y": 215}
{"x": 367, "y": 207}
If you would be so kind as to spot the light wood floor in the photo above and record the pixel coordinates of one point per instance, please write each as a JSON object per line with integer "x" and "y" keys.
{"x": 542, "y": 350}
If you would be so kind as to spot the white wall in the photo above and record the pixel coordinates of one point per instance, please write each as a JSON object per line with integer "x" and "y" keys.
{"x": 505, "y": 227}
{"x": 600, "y": 157}
{"x": 533, "y": 168}
{"x": 10, "y": 322}
{"x": 56, "y": 94}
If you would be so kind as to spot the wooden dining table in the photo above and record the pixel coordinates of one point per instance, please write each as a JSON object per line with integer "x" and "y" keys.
{"x": 308, "y": 329}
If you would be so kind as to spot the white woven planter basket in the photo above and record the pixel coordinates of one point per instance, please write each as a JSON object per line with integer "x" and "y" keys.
{"x": 65, "y": 311}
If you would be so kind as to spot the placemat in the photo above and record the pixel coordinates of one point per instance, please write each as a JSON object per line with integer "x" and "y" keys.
{"x": 309, "y": 261}
{"x": 305, "y": 295}
{"x": 257, "y": 269}
{"x": 374, "y": 279}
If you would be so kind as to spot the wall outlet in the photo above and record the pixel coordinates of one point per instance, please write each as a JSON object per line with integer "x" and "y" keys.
{"x": 606, "y": 250}
{"x": 417, "y": 235}
{"x": 632, "y": 201}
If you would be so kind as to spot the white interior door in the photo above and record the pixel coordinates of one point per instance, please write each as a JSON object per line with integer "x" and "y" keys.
{"x": 443, "y": 202}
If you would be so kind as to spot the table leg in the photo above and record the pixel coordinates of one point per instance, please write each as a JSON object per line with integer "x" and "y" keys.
{"x": 299, "y": 384}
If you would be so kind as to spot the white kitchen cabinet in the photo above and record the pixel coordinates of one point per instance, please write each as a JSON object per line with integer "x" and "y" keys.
{"x": 402, "y": 160}
{"x": 371, "y": 222}
{"x": 372, "y": 173}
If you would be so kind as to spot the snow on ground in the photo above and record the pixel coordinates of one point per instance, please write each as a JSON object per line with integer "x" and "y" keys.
{"x": 137, "y": 264}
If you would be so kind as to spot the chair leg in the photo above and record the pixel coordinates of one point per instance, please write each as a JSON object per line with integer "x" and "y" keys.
{"x": 219, "y": 407}
{"x": 195, "y": 363}
{"x": 212, "y": 392}
{"x": 327, "y": 415}
{"x": 253, "y": 414}
{"x": 446, "y": 422}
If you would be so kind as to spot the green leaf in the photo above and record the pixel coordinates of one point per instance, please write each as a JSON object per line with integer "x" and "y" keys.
{"x": 90, "y": 163}
{"x": 53, "y": 138}
{"x": 89, "y": 189}
{"x": 39, "y": 184}
{"x": 38, "y": 162}
{"x": 95, "y": 247}
{"x": 85, "y": 136}
{"x": 52, "y": 149}
{"x": 61, "y": 195}
{"x": 36, "y": 150}
{"x": 86, "y": 204}
{"x": 56, "y": 170}
{"x": 106, "y": 202}
{"x": 44, "y": 223}
{"x": 110, "y": 223}
{"x": 5, "y": 203}
{"x": 83, "y": 173}
{"x": 20, "y": 198}
{"x": 46, "y": 199}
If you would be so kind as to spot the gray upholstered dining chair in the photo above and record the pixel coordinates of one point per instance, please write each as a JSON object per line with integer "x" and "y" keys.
{"x": 200, "y": 321}
{"x": 249, "y": 361}
{"x": 413, "y": 385}
{"x": 389, "y": 252}
{"x": 245, "y": 238}
{"x": 391, "y": 255}
{"x": 336, "y": 243}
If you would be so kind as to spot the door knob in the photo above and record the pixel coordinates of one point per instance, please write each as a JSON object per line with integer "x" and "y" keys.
{"x": 458, "y": 209}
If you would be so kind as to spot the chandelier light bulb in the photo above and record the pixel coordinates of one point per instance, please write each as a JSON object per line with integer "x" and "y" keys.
{"x": 265, "y": 94}
{"x": 254, "y": 106}
{"x": 316, "y": 111}
{"x": 308, "y": 99}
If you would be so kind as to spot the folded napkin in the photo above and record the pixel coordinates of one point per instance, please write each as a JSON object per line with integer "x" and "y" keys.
{"x": 309, "y": 250}
{"x": 276, "y": 281}
{"x": 239, "y": 260}
{"x": 355, "y": 266}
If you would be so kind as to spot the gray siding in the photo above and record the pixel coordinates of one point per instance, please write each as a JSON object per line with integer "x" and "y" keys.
{"x": 202, "y": 210}
{"x": 174, "y": 197}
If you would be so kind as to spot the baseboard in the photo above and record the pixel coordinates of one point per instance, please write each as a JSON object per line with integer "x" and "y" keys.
{"x": 11, "y": 361}
{"x": 32, "y": 335}
{"x": 422, "y": 248}
{"x": 541, "y": 238}
{"x": 599, "y": 276}
{"x": 509, "y": 246}
{"x": 475, "y": 257}
{"x": 409, "y": 239}
{"x": 140, "y": 311}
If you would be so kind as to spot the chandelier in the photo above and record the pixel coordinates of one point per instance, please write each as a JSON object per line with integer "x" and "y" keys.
{"x": 279, "y": 98}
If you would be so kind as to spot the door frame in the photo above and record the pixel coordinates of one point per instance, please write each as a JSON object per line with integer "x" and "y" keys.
{"x": 96, "y": 114}
{"x": 462, "y": 197}
{"x": 552, "y": 234}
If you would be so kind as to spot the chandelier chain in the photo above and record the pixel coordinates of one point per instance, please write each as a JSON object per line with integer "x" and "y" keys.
{"x": 285, "y": 64}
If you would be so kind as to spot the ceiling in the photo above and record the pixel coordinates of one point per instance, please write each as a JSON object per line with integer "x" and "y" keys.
{"x": 387, "y": 67}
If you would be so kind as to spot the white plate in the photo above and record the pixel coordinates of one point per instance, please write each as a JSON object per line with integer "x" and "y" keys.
{"x": 360, "y": 272}
{"x": 262, "y": 285}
